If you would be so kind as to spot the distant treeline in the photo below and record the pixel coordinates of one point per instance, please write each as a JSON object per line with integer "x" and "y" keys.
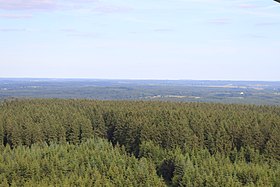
{"x": 187, "y": 144}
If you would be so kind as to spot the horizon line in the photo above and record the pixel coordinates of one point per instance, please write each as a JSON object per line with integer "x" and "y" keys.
{"x": 138, "y": 79}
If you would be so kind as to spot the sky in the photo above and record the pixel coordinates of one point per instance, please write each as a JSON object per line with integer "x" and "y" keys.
{"x": 147, "y": 39}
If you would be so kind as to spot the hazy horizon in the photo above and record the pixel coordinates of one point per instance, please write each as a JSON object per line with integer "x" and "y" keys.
{"x": 149, "y": 40}
{"x": 133, "y": 79}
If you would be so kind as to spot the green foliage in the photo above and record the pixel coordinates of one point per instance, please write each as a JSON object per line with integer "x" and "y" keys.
{"x": 200, "y": 168}
{"x": 92, "y": 163}
{"x": 45, "y": 142}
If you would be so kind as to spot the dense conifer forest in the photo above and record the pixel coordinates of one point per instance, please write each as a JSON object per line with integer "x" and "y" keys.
{"x": 55, "y": 142}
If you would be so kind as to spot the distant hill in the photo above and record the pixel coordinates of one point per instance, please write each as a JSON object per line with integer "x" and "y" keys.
{"x": 245, "y": 92}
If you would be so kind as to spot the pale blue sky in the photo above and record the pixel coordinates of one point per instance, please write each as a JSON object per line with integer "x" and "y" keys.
{"x": 147, "y": 39}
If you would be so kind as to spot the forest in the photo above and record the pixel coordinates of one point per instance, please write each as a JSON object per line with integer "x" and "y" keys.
{"x": 79, "y": 142}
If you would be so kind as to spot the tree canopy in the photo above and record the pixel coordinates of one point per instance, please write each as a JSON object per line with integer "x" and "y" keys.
{"x": 87, "y": 142}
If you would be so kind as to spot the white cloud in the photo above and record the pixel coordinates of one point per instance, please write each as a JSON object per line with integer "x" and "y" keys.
{"x": 27, "y": 4}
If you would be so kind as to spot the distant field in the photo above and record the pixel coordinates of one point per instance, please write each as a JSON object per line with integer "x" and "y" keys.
{"x": 245, "y": 92}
